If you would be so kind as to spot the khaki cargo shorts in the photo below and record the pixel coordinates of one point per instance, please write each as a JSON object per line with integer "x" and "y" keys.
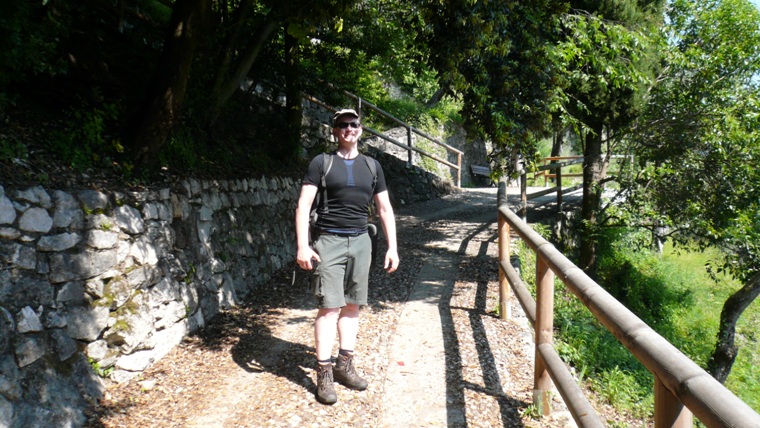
{"x": 342, "y": 276}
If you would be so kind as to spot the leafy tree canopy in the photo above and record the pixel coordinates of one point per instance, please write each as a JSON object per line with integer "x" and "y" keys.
{"x": 700, "y": 137}
{"x": 699, "y": 145}
{"x": 96, "y": 61}
{"x": 495, "y": 56}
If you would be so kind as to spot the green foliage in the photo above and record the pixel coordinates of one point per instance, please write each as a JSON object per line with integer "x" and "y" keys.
{"x": 624, "y": 389}
{"x": 531, "y": 411}
{"x": 544, "y": 147}
{"x": 672, "y": 293}
{"x": 420, "y": 83}
{"x": 543, "y": 230}
{"x": 610, "y": 369}
{"x": 102, "y": 372}
{"x": 447, "y": 112}
{"x": 604, "y": 71}
{"x": 427, "y": 163}
{"x": 744, "y": 378}
{"x": 413, "y": 112}
{"x": 29, "y": 37}
{"x": 184, "y": 151}
{"x": 697, "y": 324}
{"x": 121, "y": 325}
{"x": 586, "y": 345}
{"x": 697, "y": 146}
{"x": 12, "y": 150}
{"x": 375, "y": 38}
{"x": 696, "y": 162}
{"x": 604, "y": 68}
{"x": 405, "y": 109}
{"x": 190, "y": 275}
{"x": 494, "y": 55}
{"x": 84, "y": 141}
{"x": 635, "y": 277}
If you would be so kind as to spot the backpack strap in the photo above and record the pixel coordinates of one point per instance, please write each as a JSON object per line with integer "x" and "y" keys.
{"x": 321, "y": 198}
{"x": 327, "y": 161}
{"x": 372, "y": 169}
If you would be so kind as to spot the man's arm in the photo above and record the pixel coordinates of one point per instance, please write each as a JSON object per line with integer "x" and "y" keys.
{"x": 305, "y": 252}
{"x": 388, "y": 221}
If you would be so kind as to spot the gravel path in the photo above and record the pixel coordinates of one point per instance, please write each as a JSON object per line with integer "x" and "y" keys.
{"x": 430, "y": 344}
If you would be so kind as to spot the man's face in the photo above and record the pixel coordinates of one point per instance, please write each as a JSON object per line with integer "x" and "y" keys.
{"x": 347, "y": 129}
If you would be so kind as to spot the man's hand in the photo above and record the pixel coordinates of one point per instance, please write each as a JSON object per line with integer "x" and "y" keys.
{"x": 305, "y": 256}
{"x": 391, "y": 261}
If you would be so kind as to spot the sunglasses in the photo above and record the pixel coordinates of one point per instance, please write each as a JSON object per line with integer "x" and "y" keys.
{"x": 344, "y": 125}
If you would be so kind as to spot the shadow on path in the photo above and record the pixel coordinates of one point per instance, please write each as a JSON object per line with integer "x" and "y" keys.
{"x": 259, "y": 351}
{"x": 508, "y": 406}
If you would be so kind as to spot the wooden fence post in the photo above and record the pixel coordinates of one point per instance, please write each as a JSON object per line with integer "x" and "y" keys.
{"x": 559, "y": 189}
{"x": 544, "y": 332}
{"x": 359, "y": 106}
{"x": 505, "y": 308}
{"x": 523, "y": 212}
{"x": 409, "y": 143}
{"x": 459, "y": 171}
{"x": 669, "y": 412}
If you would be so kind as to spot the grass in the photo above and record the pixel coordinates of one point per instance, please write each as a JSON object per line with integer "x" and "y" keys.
{"x": 744, "y": 380}
{"x": 675, "y": 296}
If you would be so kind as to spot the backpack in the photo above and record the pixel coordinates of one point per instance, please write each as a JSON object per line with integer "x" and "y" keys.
{"x": 321, "y": 198}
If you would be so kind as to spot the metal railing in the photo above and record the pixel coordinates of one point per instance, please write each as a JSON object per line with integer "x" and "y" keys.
{"x": 362, "y": 104}
{"x": 681, "y": 387}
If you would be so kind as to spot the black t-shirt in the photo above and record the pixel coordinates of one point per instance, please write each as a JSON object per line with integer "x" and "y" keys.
{"x": 349, "y": 192}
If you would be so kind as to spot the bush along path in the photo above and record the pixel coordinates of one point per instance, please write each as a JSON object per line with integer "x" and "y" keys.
{"x": 430, "y": 344}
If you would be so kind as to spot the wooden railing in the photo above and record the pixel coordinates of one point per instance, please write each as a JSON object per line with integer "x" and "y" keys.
{"x": 681, "y": 387}
{"x": 551, "y": 163}
{"x": 545, "y": 171}
{"x": 363, "y": 104}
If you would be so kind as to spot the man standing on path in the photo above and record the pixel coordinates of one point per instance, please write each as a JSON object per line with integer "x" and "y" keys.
{"x": 341, "y": 254}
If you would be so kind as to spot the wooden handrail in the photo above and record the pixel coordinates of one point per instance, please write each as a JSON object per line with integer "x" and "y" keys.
{"x": 414, "y": 149}
{"x": 524, "y": 197}
{"x": 410, "y": 129}
{"x": 402, "y": 123}
{"x": 575, "y": 160}
{"x": 681, "y": 386}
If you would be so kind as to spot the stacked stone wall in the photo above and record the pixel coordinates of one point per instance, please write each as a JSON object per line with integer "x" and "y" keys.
{"x": 100, "y": 284}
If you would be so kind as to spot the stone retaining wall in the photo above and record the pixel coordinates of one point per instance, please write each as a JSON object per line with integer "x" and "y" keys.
{"x": 104, "y": 283}
{"x": 110, "y": 281}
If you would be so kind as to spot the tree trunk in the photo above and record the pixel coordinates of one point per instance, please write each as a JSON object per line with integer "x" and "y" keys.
{"x": 244, "y": 66}
{"x": 558, "y": 139}
{"x": 558, "y": 134}
{"x": 724, "y": 355}
{"x": 437, "y": 96}
{"x": 293, "y": 105}
{"x": 159, "y": 113}
{"x": 226, "y": 53}
{"x": 593, "y": 172}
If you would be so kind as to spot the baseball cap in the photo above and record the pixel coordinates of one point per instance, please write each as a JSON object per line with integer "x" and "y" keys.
{"x": 345, "y": 112}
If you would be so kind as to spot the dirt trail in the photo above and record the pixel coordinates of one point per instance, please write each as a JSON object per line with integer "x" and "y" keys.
{"x": 430, "y": 345}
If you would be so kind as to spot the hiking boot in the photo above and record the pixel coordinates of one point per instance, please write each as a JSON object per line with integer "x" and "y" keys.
{"x": 345, "y": 374}
{"x": 325, "y": 388}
